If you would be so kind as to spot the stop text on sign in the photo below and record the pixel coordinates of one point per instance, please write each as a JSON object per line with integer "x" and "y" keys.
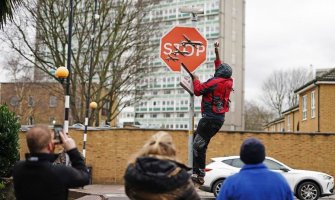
{"x": 189, "y": 49}
{"x": 183, "y": 45}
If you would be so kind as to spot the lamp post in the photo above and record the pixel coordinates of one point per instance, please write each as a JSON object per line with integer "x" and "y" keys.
{"x": 194, "y": 11}
{"x": 65, "y": 72}
{"x": 68, "y": 64}
{"x": 92, "y": 105}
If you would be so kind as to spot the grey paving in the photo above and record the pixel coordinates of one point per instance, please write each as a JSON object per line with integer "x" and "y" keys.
{"x": 113, "y": 192}
{"x": 116, "y": 192}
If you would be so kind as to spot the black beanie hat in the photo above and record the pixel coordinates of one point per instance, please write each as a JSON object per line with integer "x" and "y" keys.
{"x": 223, "y": 71}
{"x": 252, "y": 151}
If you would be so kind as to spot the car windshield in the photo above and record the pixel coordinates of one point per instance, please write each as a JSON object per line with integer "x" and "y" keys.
{"x": 237, "y": 162}
{"x": 273, "y": 165}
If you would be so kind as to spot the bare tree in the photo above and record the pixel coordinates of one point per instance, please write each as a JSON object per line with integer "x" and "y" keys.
{"x": 256, "y": 116}
{"x": 7, "y": 8}
{"x": 21, "y": 77}
{"x": 278, "y": 89}
{"x": 296, "y": 78}
{"x": 274, "y": 91}
{"x": 17, "y": 71}
{"x": 121, "y": 49}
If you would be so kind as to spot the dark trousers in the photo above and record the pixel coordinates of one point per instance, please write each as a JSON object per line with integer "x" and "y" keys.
{"x": 206, "y": 129}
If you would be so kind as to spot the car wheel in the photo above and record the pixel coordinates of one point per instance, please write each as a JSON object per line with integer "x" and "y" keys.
{"x": 308, "y": 191}
{"x": 216, "y": 187}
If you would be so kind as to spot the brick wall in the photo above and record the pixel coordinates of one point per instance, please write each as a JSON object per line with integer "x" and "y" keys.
{"x": 327, "y": 107}
{"x": 311, "y": 123}
{"x": 295, "y": 120}
{"x": 109, "y": 151}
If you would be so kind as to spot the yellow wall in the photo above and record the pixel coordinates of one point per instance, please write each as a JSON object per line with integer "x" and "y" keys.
{"x": 326, "y": 122}
{"x": 280, "y": 126}
{"x": 296, "y": 116}
{"x": 327, "y": 108}
{"x": 276, "y": 126}
{"x": 290, "y": 127}
{"x": 294, "y": 119}
{"x": 310, "y": 124}
{"x": 109, "y": 151}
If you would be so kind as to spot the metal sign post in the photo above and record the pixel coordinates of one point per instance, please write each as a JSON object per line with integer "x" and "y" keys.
{"x": 185, "y": 45}
{"x": 190, "y": 131}
{"x": 186, "y": 81}
{"x": 194, "y": 11}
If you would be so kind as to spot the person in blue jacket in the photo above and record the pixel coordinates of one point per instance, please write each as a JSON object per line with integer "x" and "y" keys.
{"x": 255, "y": 181}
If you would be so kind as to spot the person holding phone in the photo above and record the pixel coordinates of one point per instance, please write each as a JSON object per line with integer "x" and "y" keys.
{"x": 37, "y": 178}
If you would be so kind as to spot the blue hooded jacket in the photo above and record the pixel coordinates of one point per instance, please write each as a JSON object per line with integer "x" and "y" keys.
{"x": 255, "y": 182}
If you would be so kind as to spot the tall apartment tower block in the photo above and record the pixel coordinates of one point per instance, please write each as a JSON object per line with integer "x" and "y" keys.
{"x": 168, "y": 104}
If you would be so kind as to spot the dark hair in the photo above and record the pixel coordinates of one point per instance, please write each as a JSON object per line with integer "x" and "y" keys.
{"x": 252, "y": 151}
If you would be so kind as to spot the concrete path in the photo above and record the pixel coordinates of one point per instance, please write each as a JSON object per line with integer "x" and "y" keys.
{"x": 116, "y": 192}
{"x": 113, "y": 192}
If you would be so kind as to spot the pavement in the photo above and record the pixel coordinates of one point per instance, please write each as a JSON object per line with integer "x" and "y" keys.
{"x": 116, "y": 192}
{"x": 113, "y": 192}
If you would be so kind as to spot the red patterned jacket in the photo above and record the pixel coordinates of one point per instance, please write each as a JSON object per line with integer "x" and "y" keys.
{"x": 215, "y": 95}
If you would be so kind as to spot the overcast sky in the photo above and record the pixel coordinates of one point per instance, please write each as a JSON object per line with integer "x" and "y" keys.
{"x": 3, "y": 56}
{"x": 283, "y": 34}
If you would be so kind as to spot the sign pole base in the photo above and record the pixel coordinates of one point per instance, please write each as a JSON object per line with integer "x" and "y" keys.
{"x": 190, "y": 131}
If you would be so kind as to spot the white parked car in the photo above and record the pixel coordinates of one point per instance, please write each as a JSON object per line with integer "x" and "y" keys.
{"x": 307, "y": 185}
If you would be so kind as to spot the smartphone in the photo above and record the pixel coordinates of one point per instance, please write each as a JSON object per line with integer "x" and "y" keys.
{"x": 57, "y": 129}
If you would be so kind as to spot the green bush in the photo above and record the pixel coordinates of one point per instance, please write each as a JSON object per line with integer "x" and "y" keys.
{"x": 9, "y": 147}
{"x": 9, "y": 150}
{"x": 7, "y": 189}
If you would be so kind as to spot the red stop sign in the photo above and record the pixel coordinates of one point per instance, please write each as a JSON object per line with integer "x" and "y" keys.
{"x": 183, "y": 45}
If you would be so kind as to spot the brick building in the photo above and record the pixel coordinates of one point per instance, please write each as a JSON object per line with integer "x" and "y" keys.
{"x": 40, "y": 103}
{"x": 277, "y": 125}
{"x": 34, "y": 102}
{"x": 316, "y": 109}
{"x": 292, "y": 117}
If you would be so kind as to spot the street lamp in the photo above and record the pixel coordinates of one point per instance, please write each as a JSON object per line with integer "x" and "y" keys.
{"x": 68, "y": 66}
{"x": 92, "y": 105}
{"x": 194, "y": 11}
{"x": 65, "y": 73}
{"x": 62, "y": 72}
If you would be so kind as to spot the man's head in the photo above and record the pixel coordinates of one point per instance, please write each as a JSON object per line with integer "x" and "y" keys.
{"x": 223, "y": 71}
{"x": 252, "y": 151}
{"x": 39, "y": 140}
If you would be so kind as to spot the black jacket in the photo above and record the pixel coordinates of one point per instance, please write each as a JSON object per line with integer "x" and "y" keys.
{"x": 37, "y": 178}
{"x": 152, "y": 178}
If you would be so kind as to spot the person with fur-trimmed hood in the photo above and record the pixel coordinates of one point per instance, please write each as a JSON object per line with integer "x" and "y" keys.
{"x": 155, "y": 174}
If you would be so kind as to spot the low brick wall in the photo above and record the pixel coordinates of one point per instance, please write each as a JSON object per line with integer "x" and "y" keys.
{"x": 108, "y": 151}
